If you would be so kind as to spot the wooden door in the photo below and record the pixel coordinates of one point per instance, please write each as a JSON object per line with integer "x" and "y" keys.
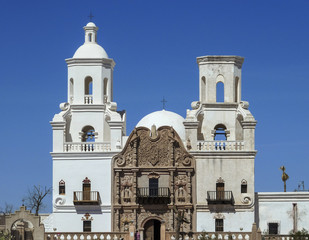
{"x": 220, "y": 191}
{"x": 152, "y": 230}
{"x": 149, "y": 230}
{"x": 86, "y": 191}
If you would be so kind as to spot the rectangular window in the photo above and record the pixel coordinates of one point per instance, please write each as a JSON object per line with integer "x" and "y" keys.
{"x": 61, "y": 189}
{"x": 244, "y": 188}
{"x": 153, "y": 187}
{"x": 219, "y": 225}
{"x": 87, "y": 226}
{"x": 273, "y": 228}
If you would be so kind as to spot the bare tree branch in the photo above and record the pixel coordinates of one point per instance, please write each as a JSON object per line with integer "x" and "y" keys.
{"x": 8, "y": 209}
{"x": 34, "y": 198}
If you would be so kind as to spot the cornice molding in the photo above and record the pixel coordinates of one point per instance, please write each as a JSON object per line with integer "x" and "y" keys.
{"x": 236, "y": 60}
{"x": 83, "y": 155}
{"x": 227, "y": 154}
{"x": 106, "y": 62}
{"x": 282, "y": 196}
{"x": 219, "y": 105}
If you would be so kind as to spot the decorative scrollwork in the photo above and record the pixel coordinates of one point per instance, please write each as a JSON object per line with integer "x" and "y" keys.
{"x": 246, "y": 199}
{"x": 60, "y": 200}
{"x": 195, "y": 105}
{"x": 186, "y": 161}
{"x": 120, "y": 161}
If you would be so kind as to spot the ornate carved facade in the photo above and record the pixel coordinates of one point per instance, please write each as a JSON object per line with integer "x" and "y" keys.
{"x": 153, "y": 178}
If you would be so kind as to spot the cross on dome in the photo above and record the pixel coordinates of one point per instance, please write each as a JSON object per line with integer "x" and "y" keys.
{"x": 90, "y": 16}
{"x": 163, "y": 102}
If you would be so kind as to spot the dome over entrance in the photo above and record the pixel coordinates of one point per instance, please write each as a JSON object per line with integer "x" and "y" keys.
{"x": 164, "y": 118}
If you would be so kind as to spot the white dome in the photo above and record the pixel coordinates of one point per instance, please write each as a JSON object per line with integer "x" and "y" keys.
{"x": 90, "y": 50}
{"x": 164, "y": 118}
{"x": 90, "y": 24}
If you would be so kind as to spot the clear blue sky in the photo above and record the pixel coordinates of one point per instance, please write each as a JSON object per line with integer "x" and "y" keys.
{"x": 154, "y": 45}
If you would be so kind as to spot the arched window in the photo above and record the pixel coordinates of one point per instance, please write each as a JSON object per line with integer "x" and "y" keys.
{"x": 88, "y": 86}
{"x": 105, "y": 86}
{"x": 203, "y": 89}
{"x": 105, "y": 89}
{"x": 61, "y": 187}
{"x": 237, "y": 90}
{"x": 220, "y": 92}
{"x": 88, "y": 134}
{"x": 244, "y": 188}
{"x": 89, "y": 37}
{"x": 220, "y": 132}
{"x": 71, "y": 90}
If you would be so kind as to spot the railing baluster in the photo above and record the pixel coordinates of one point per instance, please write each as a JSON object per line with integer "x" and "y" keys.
{"x": 220, "y": 145}
{"x": 87, "y": 147}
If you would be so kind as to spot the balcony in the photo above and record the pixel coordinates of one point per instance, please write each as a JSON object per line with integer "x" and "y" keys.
{"x": 153, "y": 195}
{"x": 220, "y": 145}
{"x": 87, "y": 147}
{"x": 220, "y": 197}
{"x": 86, "y": 198}
{"x": 88, "y": 99}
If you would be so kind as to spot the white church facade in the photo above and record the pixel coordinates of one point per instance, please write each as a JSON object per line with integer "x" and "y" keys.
{"x": 201, "y": 165}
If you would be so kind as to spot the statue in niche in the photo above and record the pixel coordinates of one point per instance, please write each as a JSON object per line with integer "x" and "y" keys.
{"x": 126, "y": 191}
{"x": 180, "y": 185}
{"x": 153, "y": 133}
{"x": 125, "y": 220}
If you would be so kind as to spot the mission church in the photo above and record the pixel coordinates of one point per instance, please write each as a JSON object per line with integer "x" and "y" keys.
{"x": 201, "y": 165}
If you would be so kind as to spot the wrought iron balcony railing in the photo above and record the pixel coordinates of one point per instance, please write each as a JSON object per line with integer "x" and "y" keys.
{"x": 153, "y": 195}
{"x": 220, "y": 197}
{"x": 86, "y": 198}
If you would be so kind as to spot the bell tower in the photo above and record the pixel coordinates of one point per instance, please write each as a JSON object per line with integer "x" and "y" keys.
{"x": 86, "y": 134}
{"x": 90, "y": 72}
{"x": 214, "y": 70}
{"x": 220, "y": 129}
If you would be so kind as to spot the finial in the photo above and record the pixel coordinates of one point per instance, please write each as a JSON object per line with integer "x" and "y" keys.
{"x": 90, "y": 16}
{"x": 284, "y": 177}
{"x": 163, "y": 102}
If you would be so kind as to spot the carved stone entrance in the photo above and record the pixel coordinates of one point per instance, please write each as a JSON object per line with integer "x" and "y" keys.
{"x": 152, "y": 174}
{"x": 152, "y": 230}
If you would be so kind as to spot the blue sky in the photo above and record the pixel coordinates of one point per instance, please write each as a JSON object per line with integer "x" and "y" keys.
{"x": 154, "y": 45}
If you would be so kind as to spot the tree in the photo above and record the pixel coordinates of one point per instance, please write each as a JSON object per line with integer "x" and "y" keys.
{"x": 8, "y": 209}
{"x": 34, "y": 198}
{"x": 5, "y": 235}
{"x": 300, "y": 235}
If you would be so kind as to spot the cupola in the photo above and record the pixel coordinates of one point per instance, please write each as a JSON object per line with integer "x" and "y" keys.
{"x": 90, "y": 48}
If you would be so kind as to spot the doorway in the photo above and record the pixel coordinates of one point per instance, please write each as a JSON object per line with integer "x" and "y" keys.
{"x": 86, "y": 191}
{"x": 152, "y": 230}
{"x": 220, "y": 191}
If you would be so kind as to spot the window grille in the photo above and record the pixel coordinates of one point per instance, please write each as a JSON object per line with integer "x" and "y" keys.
{"x": 87, "y": 226}
{"x": 273, "y": 228}
{"x": 219, "y": 225}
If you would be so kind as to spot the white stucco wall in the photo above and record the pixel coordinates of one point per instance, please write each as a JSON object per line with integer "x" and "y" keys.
{"x": 72, "y": 222}
{"x": 277, "y": 207}
{"x": 74, "y": 171}
{"x": 233, "y": 222}
{"x": 232, "y": 169}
